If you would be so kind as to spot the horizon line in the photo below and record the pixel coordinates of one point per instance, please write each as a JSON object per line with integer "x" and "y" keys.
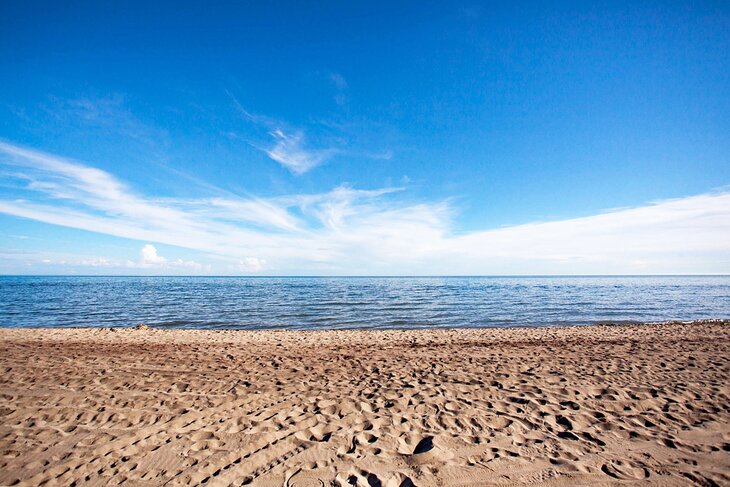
{"x": 366, "y": 276}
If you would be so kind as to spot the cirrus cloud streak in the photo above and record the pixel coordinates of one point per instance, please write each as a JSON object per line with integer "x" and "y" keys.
{"x": 369, "y": 232}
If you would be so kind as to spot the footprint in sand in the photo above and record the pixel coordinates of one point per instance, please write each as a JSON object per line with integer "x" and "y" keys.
{"x": 368, "y": 479}
{"x": 307, "y": 478}
{"x": 625, "y": 470}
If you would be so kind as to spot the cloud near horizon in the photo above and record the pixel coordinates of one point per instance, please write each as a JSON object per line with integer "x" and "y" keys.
{"x": 368, "y": 232}
{"x": 149, "y": 260}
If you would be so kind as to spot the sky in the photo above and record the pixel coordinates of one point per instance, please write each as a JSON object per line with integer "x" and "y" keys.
{"x": 364, "y": 138}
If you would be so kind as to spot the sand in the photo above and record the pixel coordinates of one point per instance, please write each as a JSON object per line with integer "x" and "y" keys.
{"x": 599, "y": 405}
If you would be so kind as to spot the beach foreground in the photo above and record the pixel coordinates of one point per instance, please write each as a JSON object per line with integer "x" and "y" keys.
{"x": 598, "y": 405}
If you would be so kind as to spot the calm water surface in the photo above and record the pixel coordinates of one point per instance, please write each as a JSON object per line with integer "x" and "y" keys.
{"x": 309, "y": 303}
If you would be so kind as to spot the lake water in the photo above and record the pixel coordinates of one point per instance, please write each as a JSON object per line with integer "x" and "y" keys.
{"x": 327, "y": 303}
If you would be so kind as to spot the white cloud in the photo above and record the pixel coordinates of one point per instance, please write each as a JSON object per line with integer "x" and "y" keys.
{"x": 149, "y": 256}
{"x": 681, "y": 235}
{"x": 98, "y": 262}
{"x": 149, "y": 260}
{"x": 350, "y": 231}
{"x": 251, "y": 264}
{"x": 291, "y": 152}
{"x": 188, "y": 264}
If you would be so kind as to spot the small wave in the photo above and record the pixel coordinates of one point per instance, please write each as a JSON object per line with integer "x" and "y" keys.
{"x": 174, "y": 323}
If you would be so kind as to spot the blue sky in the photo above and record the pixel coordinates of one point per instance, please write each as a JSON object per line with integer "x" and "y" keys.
{"x": 364, "y": 138}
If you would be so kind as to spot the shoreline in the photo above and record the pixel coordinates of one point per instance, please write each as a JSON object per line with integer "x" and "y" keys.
{"x": 153, "y": 327}
{"x": 554, "y": 405}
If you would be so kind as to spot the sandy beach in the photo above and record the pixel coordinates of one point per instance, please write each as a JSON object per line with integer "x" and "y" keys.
{"x": 598, "y": 405}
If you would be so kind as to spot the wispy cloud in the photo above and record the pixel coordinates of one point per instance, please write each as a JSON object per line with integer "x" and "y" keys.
{"x": 291, "y": 151}
{"x": 300, "y": 150}
{"x": 289, "y": 147}
{"x": 341, "y": 86}
{"x": 339, "y": 81}
{"x": 100, "y": 115}
{"x": 352, "y": 231}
